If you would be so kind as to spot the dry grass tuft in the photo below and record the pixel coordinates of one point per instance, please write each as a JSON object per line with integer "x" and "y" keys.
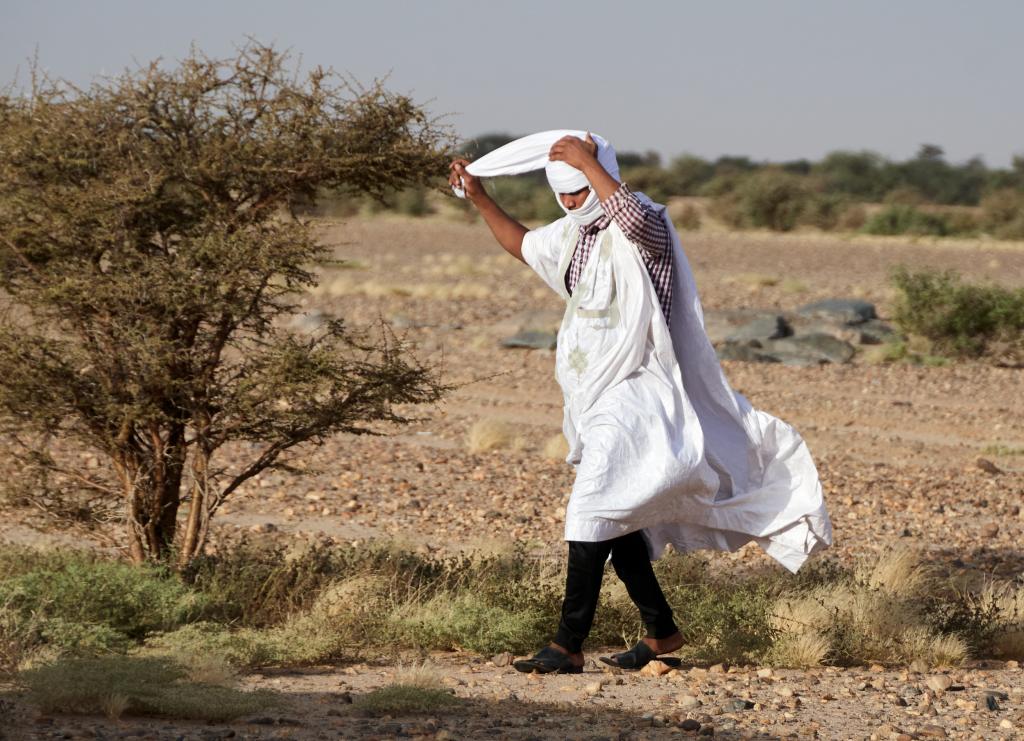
{"x": 556, "y": 447}
{"x": 425, "y": 676}
{"x": 800, "y": 650}
{"x": 114, "y": 705}
{"x": 208, "y": 668}
{"x": 491, "y": 434}
{"x": 900, "y": 573}
{"x": 793, "y": 286}
{"x": 947, "y": 650}
{"x": 875, "y": 617}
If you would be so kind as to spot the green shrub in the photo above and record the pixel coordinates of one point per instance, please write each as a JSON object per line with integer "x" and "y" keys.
{"x": 261, "y": 585}
{"x": 768, "y": 199}
{"x": 137, "y": 686}
{"x": 959, "y": 319}
{"x": 468, "y": 621}
{"x": 903, "y": 219}
{"x": 1003, "y": 213}
{"x": 825, "y": 210}
{"x": 77, "y": 588}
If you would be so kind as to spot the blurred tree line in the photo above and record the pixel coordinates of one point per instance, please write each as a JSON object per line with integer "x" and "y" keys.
{"x": 925, "y": 195}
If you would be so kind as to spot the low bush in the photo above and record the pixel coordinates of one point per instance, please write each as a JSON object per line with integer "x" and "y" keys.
{"x": 960, "y": 319}
{"x": 78, "y": 588}
{"x": 769, "y": 199}
{"x": 401, "y": 699}
{"x": 1003, "y": 213}
{"x": 137, "y": 686}
{"x": 71, "y": 603}
{"x": 906, "y": 219}
{"x": 881, "y": 614}
{"x": 255, "y": 606}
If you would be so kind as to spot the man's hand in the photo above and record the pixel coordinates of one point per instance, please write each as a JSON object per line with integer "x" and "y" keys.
{"x": 505, "y": 229}
{"x": 573, "y": 151}
{"x": 458, "y": 177}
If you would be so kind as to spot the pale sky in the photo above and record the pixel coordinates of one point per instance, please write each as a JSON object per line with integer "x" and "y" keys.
{"x": 772, "y": 79}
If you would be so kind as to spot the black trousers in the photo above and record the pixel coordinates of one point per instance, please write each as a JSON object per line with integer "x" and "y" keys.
{"x": 583, "y": 586}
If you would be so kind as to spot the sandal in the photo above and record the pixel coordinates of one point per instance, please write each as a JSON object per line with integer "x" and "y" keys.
{"x": 548, "y": 661}
{"x": 638, "y": 657}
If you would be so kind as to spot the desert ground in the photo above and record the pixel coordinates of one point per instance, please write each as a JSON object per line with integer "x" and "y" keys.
{"x": 897, "y": 446}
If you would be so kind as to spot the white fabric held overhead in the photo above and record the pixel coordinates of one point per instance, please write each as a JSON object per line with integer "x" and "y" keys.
{"x": 531, "y": 153}
{"x": 660, "y": 440}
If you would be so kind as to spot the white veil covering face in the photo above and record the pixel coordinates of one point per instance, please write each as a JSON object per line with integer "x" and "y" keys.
{"x": 531, "y": 153}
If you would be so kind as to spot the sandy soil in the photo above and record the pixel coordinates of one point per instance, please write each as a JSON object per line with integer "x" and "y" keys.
{"x": 897, "y": 447}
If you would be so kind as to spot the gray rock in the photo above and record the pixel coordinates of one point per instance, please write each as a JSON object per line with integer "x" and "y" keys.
{"x": 532, "y": 340}
{"x": 746, "y": 352}
{"x": 816, "y": 347}
{"x": 770, "y": 327}
{"x": 796, "y": 359}
{"x": 840, "y": 310}
{"x": 721, "y": 324}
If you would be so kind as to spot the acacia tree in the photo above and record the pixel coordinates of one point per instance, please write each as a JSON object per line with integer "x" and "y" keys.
{"x": 148, "y": 253}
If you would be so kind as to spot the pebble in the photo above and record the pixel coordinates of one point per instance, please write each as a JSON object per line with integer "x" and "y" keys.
{"x": 939, "y": 682}
{"x": 1007, "y": 724}
{"x": 737, "y": 705}
{"x": 688, "y": 702}
{"x": 655, "y": 669}
{"x": 502, "y": 659}
{"x": 690, "y": 725}
{"x": 930, "y": 730}
{"x": 987, "y": 466}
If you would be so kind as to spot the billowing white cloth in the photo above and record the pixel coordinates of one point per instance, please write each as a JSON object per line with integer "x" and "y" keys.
{"x": 531, "y": 153}
{"x": 660, "y": 441}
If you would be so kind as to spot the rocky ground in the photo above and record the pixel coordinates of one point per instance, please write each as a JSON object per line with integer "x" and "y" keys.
{"x": 898, "y": 448}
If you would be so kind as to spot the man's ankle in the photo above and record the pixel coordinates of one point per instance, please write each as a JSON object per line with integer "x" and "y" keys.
{"x": 577, "y": 657}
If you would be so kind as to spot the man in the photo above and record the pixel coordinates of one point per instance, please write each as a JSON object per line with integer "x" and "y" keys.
{"x": 665, "y": 451}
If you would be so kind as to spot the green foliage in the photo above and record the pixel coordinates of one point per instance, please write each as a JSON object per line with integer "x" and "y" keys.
{"x": 147, "y": 253}
{"x": 1003, "y": 214}
{"x": 861, "y": 175}
{"x": 826, "y": 211}
{"x": 137, "y": 686}
{"x": 960, "y": 319}
{"x": 86, "y": 590}
{"x": 71, "y": 603}
{"x": 769, "y": 199}
{"x": 261, "y": 585}
{"x": 472, "y": 622}
{"x": 325, "y": 603}
{"x": 903, "y": 219}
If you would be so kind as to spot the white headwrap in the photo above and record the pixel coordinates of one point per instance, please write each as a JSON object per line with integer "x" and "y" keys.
{"x": 531, "y": 153}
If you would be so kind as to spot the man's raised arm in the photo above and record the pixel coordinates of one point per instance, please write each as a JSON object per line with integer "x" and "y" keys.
{"x": 505, "y": 229}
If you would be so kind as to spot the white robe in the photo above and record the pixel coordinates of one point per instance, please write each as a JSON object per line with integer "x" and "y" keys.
{"x": 660, "y": 441}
